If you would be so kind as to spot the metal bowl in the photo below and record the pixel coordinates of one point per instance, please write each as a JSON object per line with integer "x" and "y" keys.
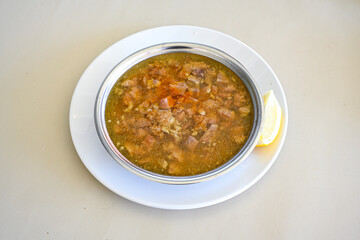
{"x": 207, "y": 51}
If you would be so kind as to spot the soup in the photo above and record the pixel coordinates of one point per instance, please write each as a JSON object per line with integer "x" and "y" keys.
{"x": 179, "y": 114}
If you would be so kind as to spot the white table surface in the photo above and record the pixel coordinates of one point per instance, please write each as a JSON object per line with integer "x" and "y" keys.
{"x": 311, "y": 192}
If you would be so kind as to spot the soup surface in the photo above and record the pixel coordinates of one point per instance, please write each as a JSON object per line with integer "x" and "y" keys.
{"x": 179, "y": 114}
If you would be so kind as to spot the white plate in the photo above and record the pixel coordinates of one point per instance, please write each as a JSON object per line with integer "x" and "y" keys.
{"x": 153, "y": 194}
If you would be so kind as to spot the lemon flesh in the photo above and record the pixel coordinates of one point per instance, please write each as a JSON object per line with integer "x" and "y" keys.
{"x": 272, "y": 119}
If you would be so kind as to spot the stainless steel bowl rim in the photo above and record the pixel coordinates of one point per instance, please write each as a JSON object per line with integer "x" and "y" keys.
{"x": 163, "y": 48}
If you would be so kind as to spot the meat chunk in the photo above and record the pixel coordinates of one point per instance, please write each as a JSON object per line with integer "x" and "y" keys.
{"x": 210, "y": 104}
{"x": 127, "y": 99}
{"x": 191, "y": 143}
{"x": 230, "y": 88}
{"x": 185, "y": 125}
{"x": 164, "y": 117}
{"x": 156, "y": 131}
{"x": 183, "y": 73}
{"x": 149, "y": 142}
{"x": 165, "y": 120}
{"x": 226, "y": 114}
{"x": 205, "y": 91}
{"x": 133, "y": 149}
{"x": 141, "y": 122}
{"x": 135, "y": 92}
{"x": 191, "y": 111}
{"x": 200, "y": 122}
{"x": 144, "y": 106}
{"x": 167, "y": 102}
{"x": 239, "y": 100}
{"x": 228, "y": 103}
{"x": 214, "y": 90}
{"x": 210, "y": 76}
{"x": 145, "y": 79}
{"x": 195, "y": 68}
{"x": 129, "y": 82}
{"x": 194, "y": 79}
{"x": 158, "y": 70}
{"x": 224, "y": 94}
{"x": 179, "y": 114}
{"x": 244, "y": 111}
{"x": 181, "y": 117}
{"x": 118, "y": 126}
{"x": 199, "y": 72}
{"x": 178, "y": 88}
{"x": 193, "y": 91}
{"x": 190, "y": 100}
{"x": 152, "y": 83}
{"x": 151, "y": 114}
{"x": 210, "y": 134}
{"x": 140, "y": 133}
{"x": 222, "y": 78}
{"x": 177, "y": 155}
{"x": 198, "y": 68}
{"x": 175, "y": 152}
{"x": 212, "y": 118}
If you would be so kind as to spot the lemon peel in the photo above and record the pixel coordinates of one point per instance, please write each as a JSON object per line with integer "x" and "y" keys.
{"x": 272, "y": 120}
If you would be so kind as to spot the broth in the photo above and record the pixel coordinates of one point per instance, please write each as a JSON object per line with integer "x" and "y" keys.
{"x": 179, "y": 114}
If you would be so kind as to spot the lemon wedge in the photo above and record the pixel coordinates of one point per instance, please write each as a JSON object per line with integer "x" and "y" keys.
{"x": 272, "y": 119}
